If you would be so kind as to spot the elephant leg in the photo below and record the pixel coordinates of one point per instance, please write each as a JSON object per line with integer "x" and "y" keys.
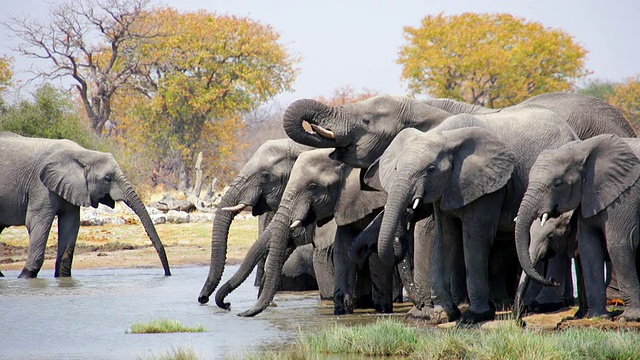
{"x": 423, "y": 233}
{"x": 39, "y": 228}
{"x": 68, "y": 227}
{"x": 446, "y": 243}
{"x": 552, "y": 298}
{"x": 259, "y": 272}
{"x": 323, "y": 268}
{"x": 363, "y": 293}
{"x": 583, "y": 305}
{"x": 592, "y": 254}
{"x": 344, "y": 273}
{"x": 479, "y": 230}
{"x": 381, "y": 285}
{"x": 501, "y": 279}
{"x": 622, "y": 244}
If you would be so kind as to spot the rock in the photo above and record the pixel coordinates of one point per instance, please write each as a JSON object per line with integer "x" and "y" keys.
{"x": 177, "y": 217}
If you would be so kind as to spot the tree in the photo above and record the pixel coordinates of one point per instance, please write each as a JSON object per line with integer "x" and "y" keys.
{"x": 199, "y": 76}
{"x": 626, "y": 97}
{"x": 346, "y": 95}
{"x": 493, "y": 60}
{"x": 6, "y": 74}
{"x": 598, "y": 88}
{"x": 51, "y": 114}
{"x": 90, "y": 42}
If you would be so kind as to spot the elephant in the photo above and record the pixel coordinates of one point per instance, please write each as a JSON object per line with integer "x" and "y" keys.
{"x": 598, "y": 179}
{"x": 361, "y": 131}
{"x": 474, "y": 170}
{"x": 45, "y": 178}
{"x": 259, "y": 185}
{"x": 320, "y": 189}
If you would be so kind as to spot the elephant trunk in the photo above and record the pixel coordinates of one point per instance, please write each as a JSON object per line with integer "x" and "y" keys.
{"x": 279, "y": 232}
{"x": 219, "y": 238}
{"x": 307, "y": 110}
{"x": 257, "y": 252}
{"x": 526, "y": 216}
{"x": 133, "y": 201}
{"x": 397, "y": 202}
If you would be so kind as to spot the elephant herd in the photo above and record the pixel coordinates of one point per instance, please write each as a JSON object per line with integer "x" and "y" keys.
{"x": 454, "y": 202}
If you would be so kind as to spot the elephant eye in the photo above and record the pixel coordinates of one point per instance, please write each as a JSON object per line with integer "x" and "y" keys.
{"x": 312, "y": 187}
{"x": 366, "y": 119}
{"x": 431, "y": 169}
{"x": 557, "y": 183}
{"x": 108, "y": 178}
{"x": 265, "y": 177}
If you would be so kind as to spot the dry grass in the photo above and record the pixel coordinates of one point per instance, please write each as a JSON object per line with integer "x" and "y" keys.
{"x": 128, "y": 245}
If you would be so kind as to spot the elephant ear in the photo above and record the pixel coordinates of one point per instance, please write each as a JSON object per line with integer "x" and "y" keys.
{"x": 382, "y": 172}
{"x": 481, "y": 164}
{"x": 63, "y": 173}
{"x": 609, "y": 169}
{"x": 355, "y": 204}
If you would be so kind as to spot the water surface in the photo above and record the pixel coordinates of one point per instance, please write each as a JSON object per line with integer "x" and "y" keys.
{"x": 88, "y": 316}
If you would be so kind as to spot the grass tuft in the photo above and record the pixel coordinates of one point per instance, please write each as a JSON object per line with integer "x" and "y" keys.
{"x": 163, "y": 326}
{"x": 179, "y": 353}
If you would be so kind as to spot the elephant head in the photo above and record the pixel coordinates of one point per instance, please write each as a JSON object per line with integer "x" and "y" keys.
{"x": 259, "y": 185}
{"x": 452, "y": 167}
{"x": 361, "y": 131}
{"x": 320, "y": 188}
{"x": 87, "y": 178}
{"x": 589, "y": 174}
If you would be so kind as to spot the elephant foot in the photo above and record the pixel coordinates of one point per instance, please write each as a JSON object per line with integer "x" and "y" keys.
{"x": 384, "y": 308}
{"x": 581, "y": 313}
{"x": 599, "y": 314}
{"x": 203, "y": 299}
{"x": 536, "y": 307}
{"x": 472, "y": 317}
{"x": 28, "y": 274}
{"x": 432, "y": 315}
{"x": 342, "y": 304}
{"x": 629, "y": 314}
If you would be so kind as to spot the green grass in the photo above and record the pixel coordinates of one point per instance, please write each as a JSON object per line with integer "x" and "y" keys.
{"x": 163, "y": 326}
{"x": 391, "y": 338}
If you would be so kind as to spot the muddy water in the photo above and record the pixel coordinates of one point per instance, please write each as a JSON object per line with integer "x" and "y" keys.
{"x": 89, "y": 315}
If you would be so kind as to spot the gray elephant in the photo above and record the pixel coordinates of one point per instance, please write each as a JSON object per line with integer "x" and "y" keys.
{"x": 598, "y": 178}
{"x": 362, "y": 131}
{"x": 320, "y": 188}
{"x": 259, "y": 185}
{"x": 474, "y": 169}
{"x": 45, "y": 178}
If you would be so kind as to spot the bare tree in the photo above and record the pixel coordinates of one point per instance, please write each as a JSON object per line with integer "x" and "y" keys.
{"x": 91, "y": 42}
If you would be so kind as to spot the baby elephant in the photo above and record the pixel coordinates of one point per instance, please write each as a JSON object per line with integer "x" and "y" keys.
{"x": 598, "y": 178}
{"x": 44, "y": 178}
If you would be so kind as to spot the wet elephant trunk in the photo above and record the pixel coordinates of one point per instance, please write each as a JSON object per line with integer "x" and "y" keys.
{"x": 307, "y": 110}
{"x": 133, "y": 201}
{"x": 257, "y": 252}
{"x": 397, "y": 202}
{"x": 219, "y": 238}
{"x": 526, "y": 215}
{"x": 278, "y": 232}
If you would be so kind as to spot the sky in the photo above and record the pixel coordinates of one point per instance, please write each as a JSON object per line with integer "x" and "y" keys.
{"x": 356, "y": 42}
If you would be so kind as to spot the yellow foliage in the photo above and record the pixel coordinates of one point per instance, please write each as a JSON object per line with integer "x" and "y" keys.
{"x": 626, "y": 97}
{"x": 6, "y": 72}
{"x": 493, "y": 60}
{"x": 200, "y": 73}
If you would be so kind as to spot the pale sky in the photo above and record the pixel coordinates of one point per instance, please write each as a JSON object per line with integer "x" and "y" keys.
{"x": 356, "y": 43}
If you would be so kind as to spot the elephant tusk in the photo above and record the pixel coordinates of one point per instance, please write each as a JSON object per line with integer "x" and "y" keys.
{"x": 545, "y": 217}
{"x": 295, "y": 224}
{"x": 515, "y": 219}
{"x": 236, "y": 208}
{"x": 416, "y": 202}
{"x": 323, "y": 132}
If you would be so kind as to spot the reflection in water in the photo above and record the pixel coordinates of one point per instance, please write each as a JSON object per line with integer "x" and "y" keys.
{"x": 87, "y": 316}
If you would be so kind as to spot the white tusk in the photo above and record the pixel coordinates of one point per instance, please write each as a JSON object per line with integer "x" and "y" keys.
{"x": 515, "y": 219}
{"x": 545, "y": 217}
{"x": 323, "y": 132}
{"x": 416, "y": 203}
{"x": 295, "y": 224}
{"x": 236, "y": 208}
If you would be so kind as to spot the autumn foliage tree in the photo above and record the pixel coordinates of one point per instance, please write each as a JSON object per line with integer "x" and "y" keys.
{"x": 626, "y": 97}
{"x": 89, "y": 42}
{"x": 199, "y": 76}
{"x": 492, "y": 60}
